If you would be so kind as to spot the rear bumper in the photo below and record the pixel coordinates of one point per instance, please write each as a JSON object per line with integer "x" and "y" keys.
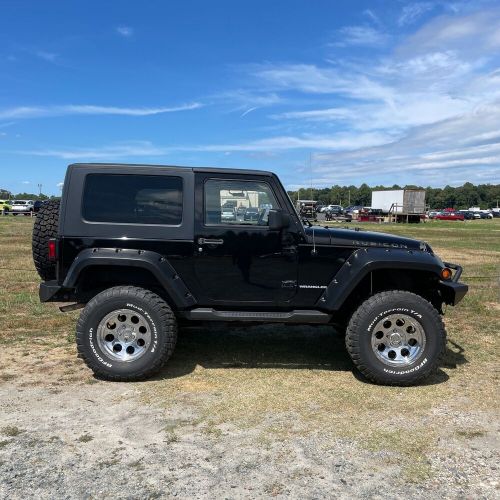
{"x": 51, "y": 291}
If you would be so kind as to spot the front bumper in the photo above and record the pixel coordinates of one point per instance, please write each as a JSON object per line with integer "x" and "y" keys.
{"x": 453, "y": 291}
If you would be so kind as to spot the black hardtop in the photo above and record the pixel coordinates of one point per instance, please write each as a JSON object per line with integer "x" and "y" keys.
{"x": 132, "y": 166}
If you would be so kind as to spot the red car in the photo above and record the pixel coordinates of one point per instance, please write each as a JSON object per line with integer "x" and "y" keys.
{"x": 449, "y": 216}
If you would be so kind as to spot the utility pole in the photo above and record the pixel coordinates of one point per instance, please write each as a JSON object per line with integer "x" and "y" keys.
{"x": 39, "y": 190}
{"x": 311, "y": 173}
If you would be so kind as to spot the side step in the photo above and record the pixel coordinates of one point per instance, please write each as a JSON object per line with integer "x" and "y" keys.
{"x": 295, "y": 316}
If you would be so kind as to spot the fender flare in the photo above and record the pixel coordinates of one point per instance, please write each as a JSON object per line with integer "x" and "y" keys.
{"x": 365, "y": 260}
{"x": 153, "y": 262}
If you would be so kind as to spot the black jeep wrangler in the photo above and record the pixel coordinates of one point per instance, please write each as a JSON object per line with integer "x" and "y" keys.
{"x": 147, "y": 248}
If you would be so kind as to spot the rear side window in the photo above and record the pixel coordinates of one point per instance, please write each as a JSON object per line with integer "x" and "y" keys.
{"x": 133, "y": 199}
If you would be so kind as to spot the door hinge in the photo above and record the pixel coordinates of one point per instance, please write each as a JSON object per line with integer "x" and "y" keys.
{"x": 289, "y": 284}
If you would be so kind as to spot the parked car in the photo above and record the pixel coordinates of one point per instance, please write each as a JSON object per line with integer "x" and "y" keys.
{"x": 5, "y": 206}
{"x": 353, "y": 209}
{"x": 251, "y": 214}
{"x": 228, "y": 214}
{"x": 339, "y": 217}
{"x": 240, "y": 211}
{"x": 485, "y": 214}
{"x": 468, "y": 215}
{"x": 333, "y": 208}
{"x": 450, "y": 216}
{"x": 23, "y": 207}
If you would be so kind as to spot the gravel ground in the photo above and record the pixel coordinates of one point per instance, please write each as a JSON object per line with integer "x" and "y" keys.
{"x": 82, "y": 438}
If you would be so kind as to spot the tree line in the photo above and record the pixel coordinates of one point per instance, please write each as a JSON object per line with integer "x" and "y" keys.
{"x": 7, "y": 195}
{"x": 468, "y": 195}
{"x": 462, "y": 197}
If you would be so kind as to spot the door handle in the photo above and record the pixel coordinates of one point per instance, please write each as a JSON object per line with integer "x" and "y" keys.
{"x": 210, "y": 241}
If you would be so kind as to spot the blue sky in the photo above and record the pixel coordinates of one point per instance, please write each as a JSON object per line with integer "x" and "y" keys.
{"x": 328, "y": 92}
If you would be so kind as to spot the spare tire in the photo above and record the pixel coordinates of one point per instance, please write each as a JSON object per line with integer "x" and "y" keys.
{"x": 45, "y": 228}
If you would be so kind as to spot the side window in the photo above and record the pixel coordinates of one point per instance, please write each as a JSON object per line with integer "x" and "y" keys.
{"x": 133, "y": 199}
{"x": 232, "y": 202}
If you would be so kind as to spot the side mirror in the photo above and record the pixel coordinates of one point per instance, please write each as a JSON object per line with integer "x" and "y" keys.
{"x": 277, "y": 219}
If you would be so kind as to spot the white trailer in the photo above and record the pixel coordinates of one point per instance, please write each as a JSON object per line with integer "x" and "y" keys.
{"x": 399, "y": 201}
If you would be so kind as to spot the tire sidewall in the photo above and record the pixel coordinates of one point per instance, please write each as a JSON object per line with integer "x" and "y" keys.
{"x": 420, "y": 312}
{"x": 88, "y": 335}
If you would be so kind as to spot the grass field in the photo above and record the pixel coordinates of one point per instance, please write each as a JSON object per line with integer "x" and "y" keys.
{"x": 288, "y": 383}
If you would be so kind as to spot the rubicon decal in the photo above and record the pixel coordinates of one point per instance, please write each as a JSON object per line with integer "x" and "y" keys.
{"x": 378, "y": 244}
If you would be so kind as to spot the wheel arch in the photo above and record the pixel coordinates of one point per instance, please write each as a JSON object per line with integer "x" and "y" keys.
{"x": 95, "y": 269}
{"x": 372, "y": 270}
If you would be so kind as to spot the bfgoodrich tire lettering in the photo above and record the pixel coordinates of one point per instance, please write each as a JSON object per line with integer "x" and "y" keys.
{"x": 154, "y": 345}
{"x": 396, "y": 338}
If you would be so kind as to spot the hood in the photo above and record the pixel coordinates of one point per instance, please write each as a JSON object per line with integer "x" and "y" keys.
{"x": 361, "y": 239}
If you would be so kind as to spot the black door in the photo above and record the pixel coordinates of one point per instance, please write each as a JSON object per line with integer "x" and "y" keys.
{"x": 239, "y": 260}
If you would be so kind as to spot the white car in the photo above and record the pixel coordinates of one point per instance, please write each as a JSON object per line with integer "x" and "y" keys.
{"x": 228, "y": 214}
{"x": 22, "y": 206}
{"x": 333, "y": 208}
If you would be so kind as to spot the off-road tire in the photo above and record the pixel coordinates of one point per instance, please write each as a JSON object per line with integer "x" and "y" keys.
{"x": 361, "y": 329}
{"x": 45, "y": 228}
{"x": 160, "y": 317}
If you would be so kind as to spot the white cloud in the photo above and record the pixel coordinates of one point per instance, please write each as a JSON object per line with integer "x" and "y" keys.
{"x": 432, "y": 154}
{"x": 328, "y": 114}
{"x": 86, "y": 109}
{"x": 249, "y": 110}
{"x": 335, "y": 142}
{"x": 370, "y": 14}
{"x": 120, "y": 150}
{"x": 412, "y": 12}
{"x": 312, "y": 79}
{"x": 473, "y": 35}
{"x": 46, "y": 56}
{"x": 125, "y": 31}
{"x": 360, "y": 35}
{"x": 339, "y": 141}
{"x": 435, "y": 98}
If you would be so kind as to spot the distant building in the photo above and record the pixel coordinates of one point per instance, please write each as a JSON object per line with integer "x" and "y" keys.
{"x": 399, "y": 201}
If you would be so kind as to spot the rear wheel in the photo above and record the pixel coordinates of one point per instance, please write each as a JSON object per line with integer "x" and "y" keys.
{"x": 126, "y": 333}
{"x": 396, "y": 338}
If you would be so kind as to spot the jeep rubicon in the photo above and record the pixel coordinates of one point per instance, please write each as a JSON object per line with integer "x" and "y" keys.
{"x": 144, "y": 249}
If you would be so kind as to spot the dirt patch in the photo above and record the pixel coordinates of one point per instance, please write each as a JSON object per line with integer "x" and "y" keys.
{"x": 243, "y": 414}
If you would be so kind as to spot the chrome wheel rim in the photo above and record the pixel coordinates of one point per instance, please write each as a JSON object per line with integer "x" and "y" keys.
{"x": 398, "y": 340}
{"x": 124, "y": 335}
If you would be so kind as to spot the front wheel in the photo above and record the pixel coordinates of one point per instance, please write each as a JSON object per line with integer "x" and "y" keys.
{"x": 126, "y": 333}
{"x": 396, "y": 338}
